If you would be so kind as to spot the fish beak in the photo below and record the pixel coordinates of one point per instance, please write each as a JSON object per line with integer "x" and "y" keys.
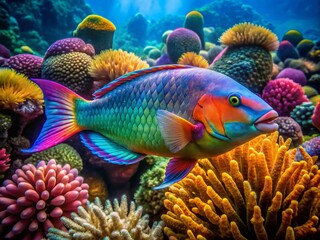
{"x": 266, "y": 123}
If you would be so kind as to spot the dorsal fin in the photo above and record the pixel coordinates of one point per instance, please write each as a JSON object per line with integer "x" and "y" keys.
{"x": 131, "y": 75}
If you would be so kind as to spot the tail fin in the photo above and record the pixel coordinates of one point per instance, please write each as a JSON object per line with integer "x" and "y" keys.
{"x": 60, "y": 112}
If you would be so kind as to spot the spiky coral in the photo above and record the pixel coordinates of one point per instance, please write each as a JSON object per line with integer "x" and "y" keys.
{"x": 250, "y": 34}
{"x": 62, "y": 153}
{"x": 247, "y": 58}
{"x": 193, "y": 59}
{"x": 118, "y": 222}
{"x": 253, "y": 191}
{"x": 16, "y": 88}
{"x": 112, "y": 64}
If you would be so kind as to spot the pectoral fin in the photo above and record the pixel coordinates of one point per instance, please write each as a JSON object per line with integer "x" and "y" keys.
{"x": 109, "y": 150}
{"x": 176, "y": 131}
{"x": 176, "y": 170}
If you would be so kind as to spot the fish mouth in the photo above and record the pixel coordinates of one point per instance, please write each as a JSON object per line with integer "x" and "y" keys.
{"x": 266, "y": 123}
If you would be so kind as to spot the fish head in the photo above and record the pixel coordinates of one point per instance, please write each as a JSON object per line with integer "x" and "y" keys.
{"x": 234, "y": 114}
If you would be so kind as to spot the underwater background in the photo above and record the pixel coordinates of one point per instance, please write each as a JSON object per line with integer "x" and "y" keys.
{"x": 267, "y": 188}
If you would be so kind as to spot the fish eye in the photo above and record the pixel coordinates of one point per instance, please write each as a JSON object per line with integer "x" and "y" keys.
{"x": 234, "y": 100}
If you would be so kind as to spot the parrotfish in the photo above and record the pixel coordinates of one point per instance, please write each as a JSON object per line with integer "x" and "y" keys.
{"x": 176, "y": 111}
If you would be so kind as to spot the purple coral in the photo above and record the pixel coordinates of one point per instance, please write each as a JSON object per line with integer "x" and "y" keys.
{"x": 4, "y": 160}
{"x": 289, "y": 128}
{"x": 287, "y": 50}
{"x": 294, "y": 74}
{"x": 27, "y": 64}
{"x": 36, "y": 197}
{"x": 4, "y": 51}
{"x": 312, "y": 147}
{"x": 163, "y": 60}
{"x": 180, "y": 41}
{"x": 283, "y": 95}
{"x": 69, "y": 45}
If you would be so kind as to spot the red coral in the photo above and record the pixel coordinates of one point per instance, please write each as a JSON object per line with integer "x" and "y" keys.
{"x": 4, "y": 160}
{"x": 316, "y": 116}
{"x": 36, "y": 197}
{"x": 284, "y": 95}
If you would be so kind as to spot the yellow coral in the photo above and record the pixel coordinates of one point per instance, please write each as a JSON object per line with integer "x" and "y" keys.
{"x": 255, "y": 191}
{"x": 27, "y": 49}
{"x": 96, "y": 22}
{"x": 111, "y": 64}
{"x": 250, "y": 34}
{"x": 193, "y": 59}
{"x": 16, "y": 88}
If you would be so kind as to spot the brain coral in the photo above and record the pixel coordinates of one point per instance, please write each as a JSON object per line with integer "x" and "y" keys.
{"x": 62, "y": 153}
{"x": 193, "y": 59}
{"x": 283, "y": 95}
{"x": 294, "y": 74}
{"x": 95, "y": 221}
{"x": 96, "y": 30}
{"x": 27, "y": 64}
{"x": 194, "y": 22}
{"x": 247, "y": 58}
{"x": 180, "y": 41}
{"x": 112, "y": 64}
{"x": 67, "y": 62}
{"x": 255, "y": 191}
{"x": 36, "y": 197}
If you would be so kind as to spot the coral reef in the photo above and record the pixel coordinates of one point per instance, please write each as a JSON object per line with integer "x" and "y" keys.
{"x": 4, "y": 161}
{"x": 62, "y": 153}
{"x": 289, "y": 128}
{"x": 193, "y": 59}
{"x": 316, "y": 116}
{"x": 149, "y": 199}
{"x": 27, "y": 64}
{"x": 180, "y": 41}
{"x": 96, "y": 30}
{"x": 36, "y": 197}
{"x": 247, "y": 58}
{"x": 294, "y": 74}
{"x": 5, "y": 125}
{"x": 309, "y": 91}
{"x": 312, "y": 147}
{"x": 213, "y": 53}
{"x": 112, "y": 64}
{"x": 287, "y": 50}
{"x": 283, "y": 95}
{"x": 255, "y": 191}
{"x": 120, "y": 221}
{"x": 67, "y": 62}
{"x": 304, "y": 47}
{"x": 20, "y": 95}
{"x": 302, "y": 115}
{"x": 293, "y": 36}
{"x": 194, "y": 21}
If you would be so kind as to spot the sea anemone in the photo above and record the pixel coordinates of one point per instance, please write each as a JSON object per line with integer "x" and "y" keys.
{"x": 112, "y": 64}
{"x": 255, "y": 191}
{"x": 250, "y": 34}
{"x": 193, "y": 59}
{"x": 16, "y": 89}
{"x": 36, "y": 197}
{"x": 283, "y": 95}
{"x": 96, "y": 30}
{"x": 95, "y": 221}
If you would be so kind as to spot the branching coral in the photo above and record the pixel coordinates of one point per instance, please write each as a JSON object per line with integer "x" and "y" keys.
{"x": 193, "y": 59}
{"x": 36, "y": 197}
{"x": 112, "y": 64}
{"x": 62, "y": 153}
{"x": 255, "y": 191}
{"x": 118, "y": 222}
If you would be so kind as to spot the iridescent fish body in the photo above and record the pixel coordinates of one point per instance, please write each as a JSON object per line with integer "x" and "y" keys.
{"x": 174, "y": 111}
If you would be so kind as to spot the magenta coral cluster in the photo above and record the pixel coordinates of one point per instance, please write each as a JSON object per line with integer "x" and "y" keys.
{"x": 36, "y": 197}
{"x": 27, "y": 64}
{"x": 283, "y": 95}
{"x": 68, "y": 45}
{"x": 4, "y": 160}
{"x": 316, "y": 116}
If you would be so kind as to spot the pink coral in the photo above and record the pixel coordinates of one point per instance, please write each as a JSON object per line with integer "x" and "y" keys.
{"x": 36, "y": 197}
{"x": 283, "y": 95}
{"x": 27, "y": 64}
{"x": 4, "y": 160}
{"x": 316, "y": 116}
{"x": 69, "y": 45}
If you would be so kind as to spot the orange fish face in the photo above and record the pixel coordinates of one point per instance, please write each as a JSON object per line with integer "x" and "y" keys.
{"x": 234, "y": 116}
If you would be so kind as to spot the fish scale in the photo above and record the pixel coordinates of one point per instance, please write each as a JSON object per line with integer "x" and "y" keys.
{"x": 129, "y": 114}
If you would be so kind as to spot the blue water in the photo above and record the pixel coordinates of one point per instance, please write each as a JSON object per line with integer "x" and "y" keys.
{"x": 284, "y": 14}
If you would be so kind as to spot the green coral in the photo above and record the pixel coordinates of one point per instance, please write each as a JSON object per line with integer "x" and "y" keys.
{"x": 62, "y": 153}
{"x": 302, "y": 115}
{"x": 149, "y": 199}
{"x": 120, "y": 222}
